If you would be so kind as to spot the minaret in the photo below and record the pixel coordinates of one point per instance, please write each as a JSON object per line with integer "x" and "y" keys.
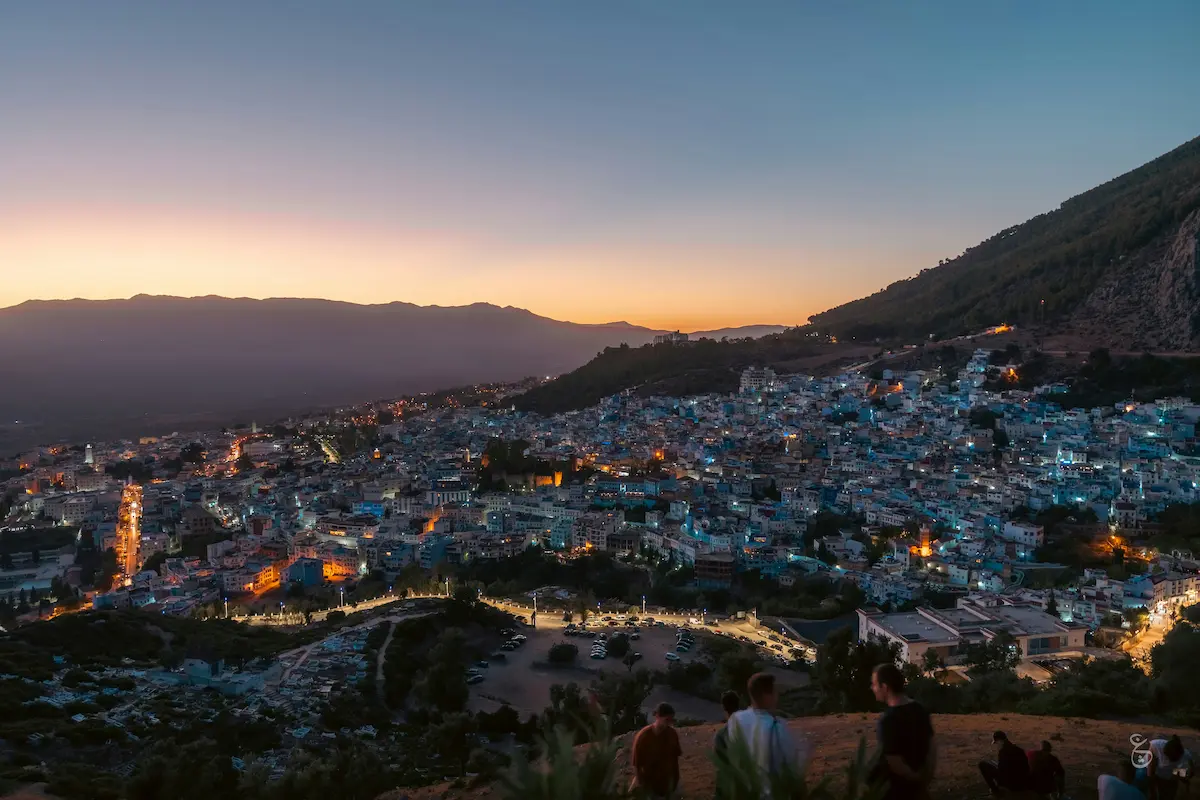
{"x": 89, "y": 458}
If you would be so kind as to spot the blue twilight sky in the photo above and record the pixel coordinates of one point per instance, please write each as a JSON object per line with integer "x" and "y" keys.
{"x": 674, "y": 163}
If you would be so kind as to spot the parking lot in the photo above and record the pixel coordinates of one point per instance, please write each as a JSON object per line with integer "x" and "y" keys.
{"x": 524, "y": 678}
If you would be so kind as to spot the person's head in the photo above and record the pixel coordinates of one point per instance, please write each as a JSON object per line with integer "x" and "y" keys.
{"x": 664, "y": 715}
{"x": 887, "y": 682}
{"x": 1126, "y": 771}
{"x": 999, "y": 738}
{"x": 730, "y": 703}
{"x": 1046, "y": 748}
{"x": 1173, "y": 749}
{"x": 762, "y": 691}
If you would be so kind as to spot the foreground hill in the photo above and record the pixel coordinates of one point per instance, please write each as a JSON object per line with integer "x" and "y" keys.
{"x": 1126, "y": 249}
{"x": 1086, "y": 748}
{"x": 116, "y": 367}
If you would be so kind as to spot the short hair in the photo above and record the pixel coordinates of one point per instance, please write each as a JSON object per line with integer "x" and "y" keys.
{"x": 889, "y": 675}
{"x": 731, "y": 702}
{"x": 760, "y": 685}
{"x": 664, "y": 710}
{"x": 1173, "y": 749}
{"x": 999, "y": 736}
{"x": 1046, "y": 748}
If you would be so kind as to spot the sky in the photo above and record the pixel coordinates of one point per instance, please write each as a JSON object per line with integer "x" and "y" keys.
{"x": 674, "y": 163}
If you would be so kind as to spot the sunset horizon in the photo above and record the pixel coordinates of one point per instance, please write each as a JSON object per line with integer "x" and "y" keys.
{"x": 680, "y": 166}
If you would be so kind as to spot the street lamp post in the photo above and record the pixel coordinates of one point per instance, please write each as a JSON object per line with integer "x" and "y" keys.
{"x": 643, "y": 605}
{"x": 226, "y": 608}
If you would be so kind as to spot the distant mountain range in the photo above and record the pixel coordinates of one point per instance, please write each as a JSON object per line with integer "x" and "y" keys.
{"x": 87, "y": 368}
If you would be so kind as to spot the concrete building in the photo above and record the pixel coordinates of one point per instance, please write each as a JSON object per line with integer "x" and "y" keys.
{"x": 976, "y": 620}
{"x": 758, "y": 379}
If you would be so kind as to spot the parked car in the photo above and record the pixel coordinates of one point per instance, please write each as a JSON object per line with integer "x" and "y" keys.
{"x": 672, "y": 657}
{"x": 635, "y": 636}
{"x": 475, "y": 679}
{"x": 483, "y": 664}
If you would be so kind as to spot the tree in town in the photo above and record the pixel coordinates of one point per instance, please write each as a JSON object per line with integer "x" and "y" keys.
{"x": 563, "y": 653}
{"x": 618, "y": 645}
{"x": 999, "y": 654}
{"x": 931, "y": 662}
{"x": 1052, "y": 605}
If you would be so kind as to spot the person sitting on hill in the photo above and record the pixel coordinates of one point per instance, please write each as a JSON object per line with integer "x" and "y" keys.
{"x": 1169, "y": 761}
{"x": 1046, "y": 773}
{"x": 1120, "y": 786}
{"x": 1009, "y": 771}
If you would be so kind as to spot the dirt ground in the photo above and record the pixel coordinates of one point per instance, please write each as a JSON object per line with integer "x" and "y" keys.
{"x": 1087, "y": 748}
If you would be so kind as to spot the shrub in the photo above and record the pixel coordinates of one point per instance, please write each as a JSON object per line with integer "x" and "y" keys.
{"x": 563, "y": 653}
{"x": 559, "y": 775}
{"x": 739, "y": 778}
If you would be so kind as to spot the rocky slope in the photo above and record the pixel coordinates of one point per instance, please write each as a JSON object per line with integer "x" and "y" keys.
{"x": 1150, "y": 300}
{"x": 1086, "y": 748}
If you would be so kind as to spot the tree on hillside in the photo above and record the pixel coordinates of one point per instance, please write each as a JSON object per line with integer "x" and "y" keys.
{"x": 734, "y": 670}
{"x": 444, "y": 684}
{"x": 843, "y": 671}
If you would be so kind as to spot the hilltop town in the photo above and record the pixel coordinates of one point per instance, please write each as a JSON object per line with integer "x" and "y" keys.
{"x": 942, "y": 512}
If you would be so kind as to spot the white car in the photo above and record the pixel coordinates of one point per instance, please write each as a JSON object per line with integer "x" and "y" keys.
{"x": 672, "y": 657}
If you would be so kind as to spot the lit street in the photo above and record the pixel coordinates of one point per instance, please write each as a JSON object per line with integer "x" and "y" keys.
{"x": 128, "y": 534}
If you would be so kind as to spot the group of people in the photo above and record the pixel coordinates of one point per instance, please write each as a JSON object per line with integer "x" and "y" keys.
{"x": 1016, "y": 770}
{"x": 1167, "y": 765}
{"x": 906, "y": 754}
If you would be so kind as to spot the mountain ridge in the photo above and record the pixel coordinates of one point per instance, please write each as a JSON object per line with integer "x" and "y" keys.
{"x": 118, "y": 368}
{"x": 1041, "y": 270}
{"x": 34, "y": 304}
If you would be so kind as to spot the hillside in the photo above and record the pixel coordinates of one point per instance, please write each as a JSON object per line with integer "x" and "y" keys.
{"x": 1086, "y": 748}
{"x": 1119, "y": 258}
{"x": 693, "y": 368}
{"x": 96, "y": 369}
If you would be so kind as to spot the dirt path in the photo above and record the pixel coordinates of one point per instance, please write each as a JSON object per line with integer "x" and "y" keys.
{"x": 380, "y": 660}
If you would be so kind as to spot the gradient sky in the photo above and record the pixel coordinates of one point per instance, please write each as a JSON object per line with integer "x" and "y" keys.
{"x": 686, "y": 163}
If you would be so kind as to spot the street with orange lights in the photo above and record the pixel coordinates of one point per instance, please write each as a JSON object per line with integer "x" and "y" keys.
{"x": 129, "y": 534}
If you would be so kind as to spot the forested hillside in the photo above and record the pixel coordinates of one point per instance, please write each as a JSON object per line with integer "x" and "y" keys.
{"x": 1057, "y": 258}
{"x": 697, "y": 367}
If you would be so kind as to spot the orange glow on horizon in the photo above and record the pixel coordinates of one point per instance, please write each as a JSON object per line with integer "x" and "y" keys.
{"x": 95, "y": 253}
